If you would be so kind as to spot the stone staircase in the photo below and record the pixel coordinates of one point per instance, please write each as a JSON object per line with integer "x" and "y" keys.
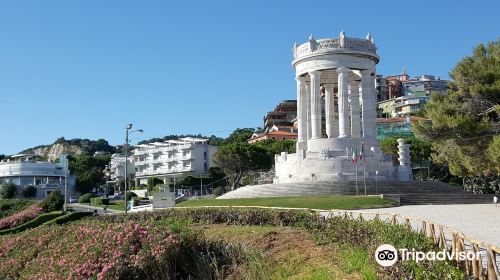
{"x": 408, "y": 193}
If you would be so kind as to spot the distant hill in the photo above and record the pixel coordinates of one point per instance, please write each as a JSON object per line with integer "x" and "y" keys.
{"x": 212, "y": 140}
{"x": 72, "y": 147}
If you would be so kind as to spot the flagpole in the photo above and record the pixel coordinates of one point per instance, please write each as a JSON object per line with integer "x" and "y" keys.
{"x": 362, "y": 157}
{"x": 355, "y": 159}
{"x": 357, "y": 189}
{"x": 364, "y": 176}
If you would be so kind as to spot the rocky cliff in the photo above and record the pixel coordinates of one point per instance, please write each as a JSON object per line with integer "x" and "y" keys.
{"x": 52, "y": 152}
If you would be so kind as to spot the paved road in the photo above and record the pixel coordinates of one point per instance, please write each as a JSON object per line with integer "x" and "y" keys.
{"x": 86, "y": 207}
{"x": 478, "y": 221}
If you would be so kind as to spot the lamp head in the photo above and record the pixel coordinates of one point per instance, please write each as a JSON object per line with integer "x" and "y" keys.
{"x": 129, "y": 126}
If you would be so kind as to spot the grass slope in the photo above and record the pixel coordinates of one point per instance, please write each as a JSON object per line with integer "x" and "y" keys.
{"x": 313, "y": 202}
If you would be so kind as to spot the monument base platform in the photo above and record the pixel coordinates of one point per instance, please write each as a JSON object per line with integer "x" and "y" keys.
{"x": 408, "y": 193}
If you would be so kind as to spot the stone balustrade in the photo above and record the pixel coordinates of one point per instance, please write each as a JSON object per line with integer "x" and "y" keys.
{"x": 334, "y": 44}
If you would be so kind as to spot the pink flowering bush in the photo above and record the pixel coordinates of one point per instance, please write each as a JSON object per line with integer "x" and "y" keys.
{"x": 87, "y": 250}
{"x": 21, "y": 217}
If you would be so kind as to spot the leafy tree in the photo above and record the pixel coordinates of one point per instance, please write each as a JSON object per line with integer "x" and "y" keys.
{"x": 30, "y": 191}
{"x": 2, "y": 156}
{"x": 53, "y": 202}
{"x": 274, "y": 147}
{"x": 216, "y": 173}
{"x": 241, "y": 135}
{"x": 8, "y": 190}
{"x": 235, "y": 158}
{"x": 494, "y": 153}
{"x": 152, "y": 182}
{"x": 88, "y": 171}
{"x": 420, "y": 150}
{"x": 466, "y": 119}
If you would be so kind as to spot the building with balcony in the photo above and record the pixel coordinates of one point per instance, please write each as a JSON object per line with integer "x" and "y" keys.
{"x": 117, "y": 168}
{"x": 25, "y": 170}
{"x": 283, "y": 114}
{"x": 424, "y": 86}
{"x": 173, "y": 159}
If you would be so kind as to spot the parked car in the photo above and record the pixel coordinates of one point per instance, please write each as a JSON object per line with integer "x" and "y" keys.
{"x": 73, "y": 199}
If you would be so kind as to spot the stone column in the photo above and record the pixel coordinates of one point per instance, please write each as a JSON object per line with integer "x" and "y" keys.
{"x": 343, "y": 102}
{"x": 308, "y": 110}
{"x": 355, "y": 109}
{"x": 373, "y": 89}
{"x": 301, "y": 113}
{"x": 315, "y": 105}
{"x": 369, "y": 114}
{"x": 330, "y": 110}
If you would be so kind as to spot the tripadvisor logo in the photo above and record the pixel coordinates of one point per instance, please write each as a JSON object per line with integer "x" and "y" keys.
{"x": 386, "y": 255}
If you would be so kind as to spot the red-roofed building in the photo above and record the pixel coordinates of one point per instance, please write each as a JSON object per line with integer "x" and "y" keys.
{"x": 278, "y": 133}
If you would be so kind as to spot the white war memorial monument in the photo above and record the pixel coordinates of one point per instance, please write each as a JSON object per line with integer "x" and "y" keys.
{"x": 336, "y": 87}
{"x": 343, "y": 71}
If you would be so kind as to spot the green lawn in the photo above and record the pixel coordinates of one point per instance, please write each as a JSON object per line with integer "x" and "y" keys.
{"x": 314, "y": 202}
{"x": 116, "y": 205}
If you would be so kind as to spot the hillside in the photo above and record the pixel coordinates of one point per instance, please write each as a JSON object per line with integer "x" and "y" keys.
{"x": 72, "y": 147}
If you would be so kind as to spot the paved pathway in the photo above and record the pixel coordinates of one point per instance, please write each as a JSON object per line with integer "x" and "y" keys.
{"x": 478, "y": 221}
{"x": 86, "y": 207}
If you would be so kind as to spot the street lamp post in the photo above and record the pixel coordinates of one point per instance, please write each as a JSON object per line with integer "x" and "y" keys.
{"x": 127, "y": 129}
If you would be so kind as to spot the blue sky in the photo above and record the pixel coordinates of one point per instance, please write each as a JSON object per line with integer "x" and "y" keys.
{"x": 83, "y": 69}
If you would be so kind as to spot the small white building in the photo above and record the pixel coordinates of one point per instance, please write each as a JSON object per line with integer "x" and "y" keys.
{"x": 173, "y": 159}
{"x": 117, "y": 167}
{"x": 26, "y": 170}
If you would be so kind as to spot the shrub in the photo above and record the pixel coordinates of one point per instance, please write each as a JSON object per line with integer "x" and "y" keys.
{"x": 130, "y": 195}
{"x": 8, "y": 190}
{"x": 85, "y": 198}
{"x": 99, "y": 201}
{"x": 11, "y": 206}
{"x": 89, "y": 249}
{"x": 219, "y": 191}
{"x": 68, "y": 217}
{"x": 53, "y": 202}
{"x": 21, "y": 217}
{"x": 30, "y": 191}
{"x": 33, "y": 223}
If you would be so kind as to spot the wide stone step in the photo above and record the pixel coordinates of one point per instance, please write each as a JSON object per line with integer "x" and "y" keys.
{"x": 415, "y": 192}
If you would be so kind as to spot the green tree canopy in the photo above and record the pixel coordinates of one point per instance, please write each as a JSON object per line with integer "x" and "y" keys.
{"x": 88, "y": 171}
{"x": 238, "y": 157}
{"x": 465, "y": 120}
{"x": 241, "y": 135}
{"x": 8, "y": 190}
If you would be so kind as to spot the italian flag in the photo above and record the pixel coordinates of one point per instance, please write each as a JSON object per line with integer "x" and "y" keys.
{"x": 354, "y": 152}
{"x": 361, "y": 152}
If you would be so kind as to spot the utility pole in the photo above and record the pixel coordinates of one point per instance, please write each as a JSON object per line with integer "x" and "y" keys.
{"x": 66, "y": 167}
{"x": 127, "y": 128}
{"x": 201, "y": 185}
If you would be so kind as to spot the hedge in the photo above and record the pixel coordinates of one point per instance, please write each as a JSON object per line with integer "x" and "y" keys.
{"x": 33, "y": 223}
{"x": 68, "y": 217}
{"x": 99, "y": 201}
{"x": 85, "y": 198}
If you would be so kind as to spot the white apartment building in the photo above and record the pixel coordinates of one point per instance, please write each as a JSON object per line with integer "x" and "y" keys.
{"x": 173, "y": 159}
{"x": 117, "y": 167}
{"x": 26, "y": 170}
